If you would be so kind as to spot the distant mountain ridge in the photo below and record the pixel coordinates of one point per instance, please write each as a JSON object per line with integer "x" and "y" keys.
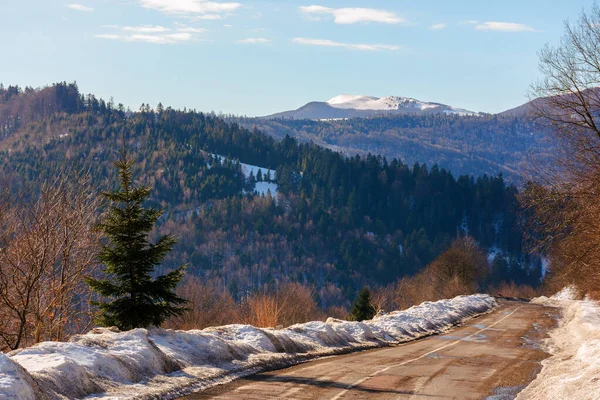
{"x": 415, "y": 131}
{"x": 357, "y": 106}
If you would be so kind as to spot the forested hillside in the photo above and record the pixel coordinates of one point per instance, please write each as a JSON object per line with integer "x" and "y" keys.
{"x": 492, "y": 144}
{"x": 337, "y": 223}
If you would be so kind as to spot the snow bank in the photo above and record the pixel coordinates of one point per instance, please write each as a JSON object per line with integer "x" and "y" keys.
{"x": 159, "y": 363}
{"x": 573, "y": 370}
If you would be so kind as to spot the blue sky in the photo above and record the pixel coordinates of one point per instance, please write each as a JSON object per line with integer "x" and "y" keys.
{"x": 259, "y": 57}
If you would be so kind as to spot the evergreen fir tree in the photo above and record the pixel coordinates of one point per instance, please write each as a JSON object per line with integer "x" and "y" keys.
{"x": 362, "y": 308}
{"x": 135, "y": 299}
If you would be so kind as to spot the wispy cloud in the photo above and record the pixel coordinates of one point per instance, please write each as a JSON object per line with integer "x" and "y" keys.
{"x": 353, "y": 15}
{"x": 80, "y": 7}
{"x": 191, "y": 30}
{"x": 437, "y": 27}
{"x": 504, "y": 27}
{"x": 190, "y": 6}
{"x": 208, "y": 17}
{"x": 353, "y": 46}
{"x": 254, "y": 41}
{"x": 168, "y": 38}
{"x": 146, "y": 29}
{"x": 152, "y": 34}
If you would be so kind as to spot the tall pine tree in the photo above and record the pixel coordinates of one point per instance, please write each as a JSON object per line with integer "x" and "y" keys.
{"x": 135, "y": 299}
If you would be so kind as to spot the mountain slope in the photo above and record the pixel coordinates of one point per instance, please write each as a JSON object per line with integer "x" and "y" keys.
{"x": 353, "y": 106}
{"x": 491, "y": 144}
{"x": 339, "y": 223}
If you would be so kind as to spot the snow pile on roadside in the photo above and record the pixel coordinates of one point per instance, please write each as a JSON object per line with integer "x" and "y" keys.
{"x": 573, "y": 370}
{"x": 159, "y": 363}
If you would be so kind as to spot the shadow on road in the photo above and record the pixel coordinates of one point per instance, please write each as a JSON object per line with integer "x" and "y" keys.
{"x": 325, "y": 383}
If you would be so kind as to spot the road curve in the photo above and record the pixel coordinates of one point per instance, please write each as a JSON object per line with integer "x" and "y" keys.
{"x": 496, "y": 354}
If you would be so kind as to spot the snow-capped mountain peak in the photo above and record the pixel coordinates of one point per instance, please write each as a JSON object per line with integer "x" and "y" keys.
{"x": 355, "y": 106}
{"x": 347, "y": 101}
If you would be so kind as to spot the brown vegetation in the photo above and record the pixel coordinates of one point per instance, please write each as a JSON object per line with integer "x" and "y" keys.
{"x": 212, "y": 305}
{"x": 48, "y": 242}
{"x": 564, "y": 210}
{"x": 458, "y": 271}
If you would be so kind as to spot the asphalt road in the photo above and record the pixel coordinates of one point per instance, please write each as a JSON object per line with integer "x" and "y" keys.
{"x": 496, "y": 354}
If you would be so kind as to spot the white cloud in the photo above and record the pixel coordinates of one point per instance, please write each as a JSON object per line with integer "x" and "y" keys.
{"x": 161, "y": 39}
{"x": 190, "y": 6}
{"x": 146, "y": 29}
{"x": 437, "y": 27}
{"x": 208, "y": 17}
{"x": 228, "y": 26}
{"x": 353, "y": 46}
{"x": 469, "y": 22}
{"x": 504, "y": 27}
{"x": 354, "y": 15}
{"x": 80, "y": 7}
{"x": 254, "y": 41}
{"x": 168, "y": 38}
{"x": 191, "y": 30}
{"x": 152, "y": 34}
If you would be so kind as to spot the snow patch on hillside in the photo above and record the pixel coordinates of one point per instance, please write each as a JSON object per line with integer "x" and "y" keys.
{"x": 248, "y": 168}
{"x": 573, "y": 370}
{"x": 159, "y": 363}
{"x": 261, "y": 188}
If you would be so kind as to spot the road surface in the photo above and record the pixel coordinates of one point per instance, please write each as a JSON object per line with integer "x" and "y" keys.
{"x": 496, "y": 354}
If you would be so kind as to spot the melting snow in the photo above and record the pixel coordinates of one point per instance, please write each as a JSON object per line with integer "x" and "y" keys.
{"x": 573, "y": 370}
{"x": 159, "y": 363}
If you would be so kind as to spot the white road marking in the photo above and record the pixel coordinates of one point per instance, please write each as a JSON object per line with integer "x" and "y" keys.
{"x": 349, "y": 387}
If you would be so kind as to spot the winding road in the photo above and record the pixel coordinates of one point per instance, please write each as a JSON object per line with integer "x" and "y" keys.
{"x": 494, "y": 355}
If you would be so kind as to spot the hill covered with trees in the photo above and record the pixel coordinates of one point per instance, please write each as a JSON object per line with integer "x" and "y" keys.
{"x": 335, "y": 223}
{"x": 492, "y": 144}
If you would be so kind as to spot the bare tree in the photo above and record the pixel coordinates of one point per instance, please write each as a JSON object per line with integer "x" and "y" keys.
{"x": 563, "y": 210}
{"x": 48, "y": 242}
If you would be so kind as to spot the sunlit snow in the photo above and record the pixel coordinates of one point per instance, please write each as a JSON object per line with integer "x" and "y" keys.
{"x": 573, "y": 369}
{"x": 159, "y": 363}
{"x": 389, "y": 103}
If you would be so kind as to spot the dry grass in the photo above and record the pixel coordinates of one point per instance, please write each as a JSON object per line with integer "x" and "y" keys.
{"x": 212, "y": 305}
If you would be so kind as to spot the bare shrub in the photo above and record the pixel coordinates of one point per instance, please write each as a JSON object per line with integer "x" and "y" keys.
{"x": 297, "y": 304}
{"x": 210, "y": 305}
{"x": 513, "y": 290}
{"x": 384, "y": 298}
{"x": 262, "y": 310}
{"x": 457, "y": 271}
{"x": 337, "y": 312}
{"x": 48, "y": 242}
